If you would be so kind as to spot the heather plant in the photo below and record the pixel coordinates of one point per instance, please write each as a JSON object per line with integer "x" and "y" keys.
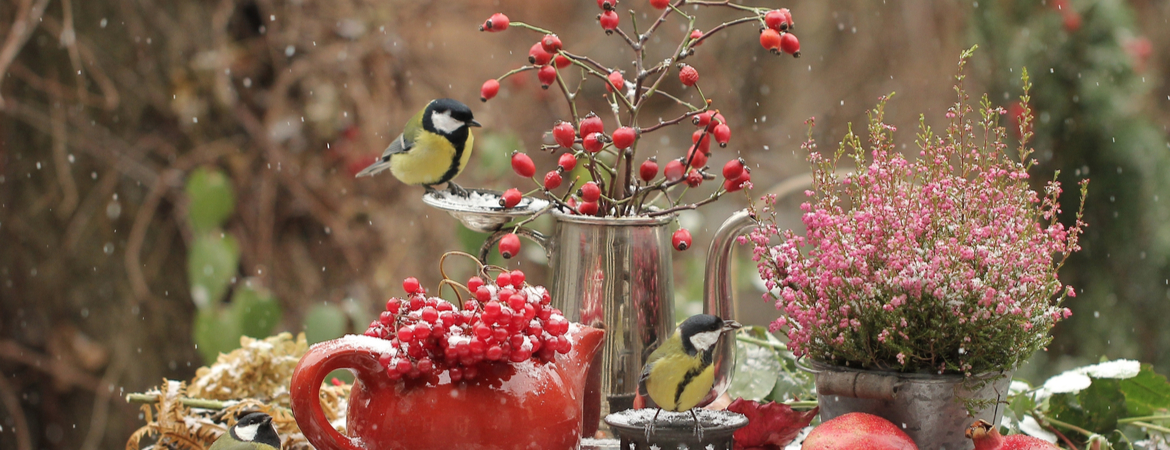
{"x": 947, "y": 263}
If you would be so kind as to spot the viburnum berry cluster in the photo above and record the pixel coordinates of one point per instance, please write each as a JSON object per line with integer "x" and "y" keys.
{"x": 614, "y": 181}
{"x": 507, "y": 320}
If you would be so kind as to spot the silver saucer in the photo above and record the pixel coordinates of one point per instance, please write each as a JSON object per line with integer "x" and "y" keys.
{"x": 480, "y": 210}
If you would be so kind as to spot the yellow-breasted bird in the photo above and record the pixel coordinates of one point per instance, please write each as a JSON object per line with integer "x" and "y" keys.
{"x": 679, "y": 374}
{"x": 254, "y": 431}
{"x": 434, "y": 147}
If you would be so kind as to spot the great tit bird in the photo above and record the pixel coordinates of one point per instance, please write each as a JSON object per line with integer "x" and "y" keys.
{"x": 254, "y": 431}
{"x": 433, "y": 148}
{"x": 679, "y": 374}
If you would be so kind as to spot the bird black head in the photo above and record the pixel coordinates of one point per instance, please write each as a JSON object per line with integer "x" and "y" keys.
{"x": 447, "y": 116}
{"x": 256, "y": 427}
{"x": 700, "y": 332}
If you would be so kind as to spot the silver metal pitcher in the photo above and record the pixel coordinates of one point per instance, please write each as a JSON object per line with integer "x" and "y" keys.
{"x": 616, "y": 274}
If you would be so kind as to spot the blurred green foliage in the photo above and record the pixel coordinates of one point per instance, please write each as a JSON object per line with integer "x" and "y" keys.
{"x": 1090, "y": 98}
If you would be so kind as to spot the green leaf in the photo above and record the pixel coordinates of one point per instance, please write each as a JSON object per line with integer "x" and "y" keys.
{"x": 257, "y": 312}
{"x": 1095, "y": 408}
{"x": 324, "y": 322}
{"x": 1147, "y": 393}
{"x": 210, "y": 199}
{"x": 756, "y": 367}
{"x": 217, "y": 330}
{"x": 212, "y": 262}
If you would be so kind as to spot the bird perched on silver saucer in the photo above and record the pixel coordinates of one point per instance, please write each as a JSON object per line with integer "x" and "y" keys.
{"x": 679, "y": 374}
{"x": 433, "y": 149}
{"x": 254, "y": 431}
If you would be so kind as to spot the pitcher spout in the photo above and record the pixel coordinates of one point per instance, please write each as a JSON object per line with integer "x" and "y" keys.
{"x": 586, "y": 343}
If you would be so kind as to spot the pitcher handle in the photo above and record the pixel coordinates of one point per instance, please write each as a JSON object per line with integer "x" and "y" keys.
{"x": 305, "y": 387}
{"x": 494, "y": 239}
{"x": 717, "y": 295}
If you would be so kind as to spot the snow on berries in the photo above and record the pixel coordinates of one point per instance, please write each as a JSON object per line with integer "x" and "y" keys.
{"x": 591, "y": 124}
{"x": 592, "y": 142}
{"x": 508, "y": 321}
{"x": 551, "y": 43}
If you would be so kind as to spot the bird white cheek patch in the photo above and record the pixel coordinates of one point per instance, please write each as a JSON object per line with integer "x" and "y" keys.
{"x": 247, "y": 433}
{"x": 703, "y": 341}
{"x": 444, "y": 122}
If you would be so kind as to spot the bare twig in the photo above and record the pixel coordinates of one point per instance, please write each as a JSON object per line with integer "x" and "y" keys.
{"x": 12, "y": 404}
{"x": 26, "y": 21}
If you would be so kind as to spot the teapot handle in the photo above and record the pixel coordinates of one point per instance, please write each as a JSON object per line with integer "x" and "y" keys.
{"x": 305, "y": 388}
{"x": 494, "y": 239}
{"x": 717, "y": 296}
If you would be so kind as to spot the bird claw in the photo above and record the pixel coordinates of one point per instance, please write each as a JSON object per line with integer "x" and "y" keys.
{"x": 454, "y": 189}
{"x": 430, "y": 190}
{"x": 650, "y": 426}
{"x": 698, "y": 425}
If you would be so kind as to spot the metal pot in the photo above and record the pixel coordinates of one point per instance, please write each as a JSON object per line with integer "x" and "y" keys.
{"x": 616, "y": 274}
{"x": 929, "y": 408}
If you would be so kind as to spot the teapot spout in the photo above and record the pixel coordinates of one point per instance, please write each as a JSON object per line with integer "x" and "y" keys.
{"x": 586, "y": 343}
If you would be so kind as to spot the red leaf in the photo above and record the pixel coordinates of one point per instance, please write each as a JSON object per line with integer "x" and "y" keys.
{"x": 770, "y": 426}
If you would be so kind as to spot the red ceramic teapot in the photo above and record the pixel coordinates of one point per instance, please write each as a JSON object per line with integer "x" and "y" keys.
{"x": 527, "y": 405}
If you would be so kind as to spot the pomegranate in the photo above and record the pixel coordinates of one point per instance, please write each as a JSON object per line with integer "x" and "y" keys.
{"x": 858, "y": 431}
{"x": 986, "y": 437}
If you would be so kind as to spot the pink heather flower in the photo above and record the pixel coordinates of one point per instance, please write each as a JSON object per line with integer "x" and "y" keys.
{"x": 907, "y": 261}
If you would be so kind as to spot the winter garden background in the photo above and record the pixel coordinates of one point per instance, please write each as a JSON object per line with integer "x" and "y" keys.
{"x": 142, "y": 142}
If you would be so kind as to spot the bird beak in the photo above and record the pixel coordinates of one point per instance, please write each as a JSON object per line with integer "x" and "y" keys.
{"x": 731, "y": 325}
{"x": 473, "y": 123}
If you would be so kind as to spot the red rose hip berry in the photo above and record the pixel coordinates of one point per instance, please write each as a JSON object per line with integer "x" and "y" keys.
{"x": 523, "y": 165}
{"x": 722, "y": 134}
{"x": 489, "y": 89}
{"x": 592, "y": 142}
{"x": 496, "y": 23}
{"x": 511, "y": 198}
{"x": 590, "y": 192}
{"x": 547, "y": 75}
{"x": 770, "y": 40}
{"x": 410, "y": 285}
{"x": 609, "y": 20}
{"x": 733, "y": 169}
{"x": 624, "y": 137}
{"x": 552, "y": 180}
{"x": 509, "y": 245}
{"x": 778, "y": 19}
{"x": 567, "y": 162}
{"x": 648, "y": 170}
{"x": 550, "y": 43}
{"x": 615, "y": 78}
{"x": 660, "y": 4}
{"x": 674, "y": 170}
{"x": 591, "y": 124}
{"x": 790, "y": 44}
{"x": 694, "y": 178}
{"x": 537, "y": 55}
{"x": 688, "y": 76}
{"x": 681, "y": 240}
{"x": 588, "y": 208}
{"x": 564, "y": 134}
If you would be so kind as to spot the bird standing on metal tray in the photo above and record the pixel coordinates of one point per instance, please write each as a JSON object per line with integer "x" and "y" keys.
{"x": 433, "y": 148}
{"x": 679, "y": 374}
{"x": 254, "y": 431}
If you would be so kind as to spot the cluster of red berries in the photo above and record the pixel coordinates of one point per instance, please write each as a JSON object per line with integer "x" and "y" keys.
{"x": 506, "y": 321}
{"x": 777, "y": 35}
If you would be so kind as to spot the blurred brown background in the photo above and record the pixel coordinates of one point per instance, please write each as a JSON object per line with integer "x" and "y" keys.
{"x": 108, "y": 106}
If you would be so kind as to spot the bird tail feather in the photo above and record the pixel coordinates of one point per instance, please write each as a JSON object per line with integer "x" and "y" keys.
{"x": 373, "y": 169}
